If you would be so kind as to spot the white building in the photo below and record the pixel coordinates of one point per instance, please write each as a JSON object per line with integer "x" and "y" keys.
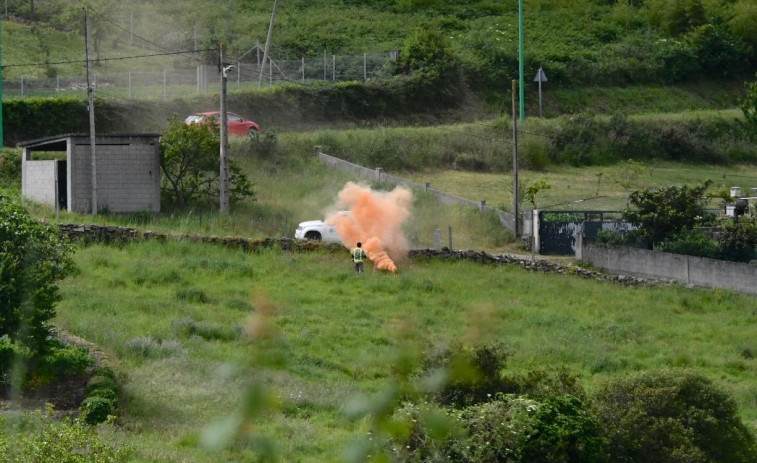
{"x": 127, "y": 166}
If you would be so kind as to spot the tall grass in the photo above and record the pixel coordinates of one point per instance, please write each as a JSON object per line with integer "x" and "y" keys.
{"x": 340, "y": 332}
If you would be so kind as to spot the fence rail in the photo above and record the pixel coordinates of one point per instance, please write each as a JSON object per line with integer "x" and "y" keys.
{"x": 169, "y": 83}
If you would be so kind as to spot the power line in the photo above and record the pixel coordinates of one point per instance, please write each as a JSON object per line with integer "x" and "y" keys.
{"x": 144, "y": 39}
{"x": 106, "y": 59}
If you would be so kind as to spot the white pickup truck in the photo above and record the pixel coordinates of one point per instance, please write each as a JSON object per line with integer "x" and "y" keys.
{"x": 318, "y": 230}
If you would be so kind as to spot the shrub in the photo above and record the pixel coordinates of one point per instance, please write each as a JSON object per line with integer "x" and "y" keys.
{"x": 474, "y": 373}
{"x": 671, "y": 417}
{"x": 208, "y": 331}
{"x": 737, "y": 242}
{"x": 96, "y": 409}
{"x": 564, "y": 431}
{"x": 691, "y": 244}
{"x": 62, "y": 441}
{"x": 423, "y": 436}
{"x": 101, "y": 398}
{"x": 62, "y": 360}
{"x": 147, "y": 347}
{"x": 10, "y": 167}
{"x": 33, "y": 258}
{"x": 499, "y": 430}
{"x": 665, "y": 212}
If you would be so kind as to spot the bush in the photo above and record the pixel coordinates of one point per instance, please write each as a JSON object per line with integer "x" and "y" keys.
{"x": 61, "y": 441}
{"x": 96, "y": 409}
{"x": 147, "y": 347}
{"x": 208, "y": 331}
{"x": 61, "y": 360}
{"x": 672, "y": 417}
{"x": 10, "y": 168}
{"x": 691, "y": 244}
{"x": 474, "y": 373}
{"x": 516, "y": 429}
{"x": 665, "y": 212}
{"x": 737, "y": 242}
{"x": 101, "y": 398}
{"x": 33, "y": 258}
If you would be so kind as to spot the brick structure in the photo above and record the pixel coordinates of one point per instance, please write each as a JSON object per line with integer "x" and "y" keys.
{"x": 127, "y": 165}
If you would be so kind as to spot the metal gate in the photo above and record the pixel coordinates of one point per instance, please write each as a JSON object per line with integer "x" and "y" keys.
{"x": 558, "y": 229}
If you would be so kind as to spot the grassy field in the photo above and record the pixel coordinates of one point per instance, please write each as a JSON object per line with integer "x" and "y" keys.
{"x": 588, "y": 188}
{"x": 173, "y": 317}
{"x": 297, "y": 188}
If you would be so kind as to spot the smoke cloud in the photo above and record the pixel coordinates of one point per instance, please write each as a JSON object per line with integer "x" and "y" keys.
{"x": 375, "y": 219}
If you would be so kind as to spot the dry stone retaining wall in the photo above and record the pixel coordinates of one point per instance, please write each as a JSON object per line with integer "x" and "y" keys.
{"x": 109, "y": 234}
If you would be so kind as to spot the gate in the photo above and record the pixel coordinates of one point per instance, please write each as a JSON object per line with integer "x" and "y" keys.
{"x": 558, "y": 229}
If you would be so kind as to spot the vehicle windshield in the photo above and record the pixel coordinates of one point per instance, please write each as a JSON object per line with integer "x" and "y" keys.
{"x": 193, "y": 119}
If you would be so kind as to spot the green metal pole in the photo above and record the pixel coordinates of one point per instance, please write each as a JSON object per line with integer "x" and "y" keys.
{"x": 520, "y": 60}
{"x": 1, "y": 87}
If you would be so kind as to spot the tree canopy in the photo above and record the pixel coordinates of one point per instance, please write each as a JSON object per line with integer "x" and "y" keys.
{"x": 191, "y": 163}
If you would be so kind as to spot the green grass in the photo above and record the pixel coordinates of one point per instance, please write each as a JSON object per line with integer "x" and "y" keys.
{"x": 340, "y": 333}
{"x": 587, "y": 188}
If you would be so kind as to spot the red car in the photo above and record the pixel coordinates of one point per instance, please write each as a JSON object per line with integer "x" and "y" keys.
{"x": 238, "y": 125}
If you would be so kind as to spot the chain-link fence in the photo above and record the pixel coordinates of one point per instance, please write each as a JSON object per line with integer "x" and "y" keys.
{"x": 170, "y": 83}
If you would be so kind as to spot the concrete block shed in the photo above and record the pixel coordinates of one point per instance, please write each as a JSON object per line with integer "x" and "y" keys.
{"x": 127, "y": 166}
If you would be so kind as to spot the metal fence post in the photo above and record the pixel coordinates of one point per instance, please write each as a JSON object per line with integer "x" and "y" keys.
{"x": 365, "y": 66}
{"x": 22, "y": 87}
{"x": 57, "y": 85}
{"x": 303, "y": 69}
{"x": 333, "y": 68}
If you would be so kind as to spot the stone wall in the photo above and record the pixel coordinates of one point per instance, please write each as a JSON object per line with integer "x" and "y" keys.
{"x": 106, "y": 234}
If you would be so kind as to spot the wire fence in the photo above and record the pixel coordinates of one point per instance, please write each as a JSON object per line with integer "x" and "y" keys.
{"x": 172, "y": 83}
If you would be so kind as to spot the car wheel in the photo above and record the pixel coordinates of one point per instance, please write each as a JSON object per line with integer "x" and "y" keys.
{"x": 253, "y": 134}
{"x": 313, "y": 236}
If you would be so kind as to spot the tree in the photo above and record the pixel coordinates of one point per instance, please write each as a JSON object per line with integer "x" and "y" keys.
{"x": 33, "y": 258}
{"x": 533, "y": 189}
{"x": 191, "y": 165}
{"x": 665, "y": 212}
{"x": 749, "y": 106}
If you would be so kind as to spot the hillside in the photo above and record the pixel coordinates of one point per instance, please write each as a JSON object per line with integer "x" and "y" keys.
{"x": 701, "y": 54}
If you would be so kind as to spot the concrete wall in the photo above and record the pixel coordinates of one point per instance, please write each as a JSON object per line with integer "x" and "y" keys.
{"x": 38, "y": 181}
{"x": 128, "y": 176}
{"x": 378, "y": 175}
{"x": 690, "y": 270}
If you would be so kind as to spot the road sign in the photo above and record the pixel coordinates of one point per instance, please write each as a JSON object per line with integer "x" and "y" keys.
{"x": 540, "y": 77}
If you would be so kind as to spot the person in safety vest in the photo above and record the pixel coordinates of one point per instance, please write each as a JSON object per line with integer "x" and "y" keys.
{"x": 357, "y": 257}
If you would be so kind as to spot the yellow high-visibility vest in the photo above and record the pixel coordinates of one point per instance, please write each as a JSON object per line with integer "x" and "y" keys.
{"x": 358, "y": 254}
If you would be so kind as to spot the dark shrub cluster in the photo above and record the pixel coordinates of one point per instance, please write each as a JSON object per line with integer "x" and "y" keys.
{"x": 101, "y": 398}
{"x": 662, "y": 416}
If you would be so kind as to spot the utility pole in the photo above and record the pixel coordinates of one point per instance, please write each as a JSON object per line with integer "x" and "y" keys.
{"x": 520, "y": 59}
{"x": 516, "y": 212}
{"x": 91, "y": 99}
{"x": 268, "y": 41}
{"x": 224, "y": 183}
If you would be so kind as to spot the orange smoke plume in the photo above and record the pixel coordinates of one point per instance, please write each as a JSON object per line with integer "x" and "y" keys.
{"x": 375, "y": 219}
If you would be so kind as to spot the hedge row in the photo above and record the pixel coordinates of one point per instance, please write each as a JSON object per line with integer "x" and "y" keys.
{"x": 284, "y": 106}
